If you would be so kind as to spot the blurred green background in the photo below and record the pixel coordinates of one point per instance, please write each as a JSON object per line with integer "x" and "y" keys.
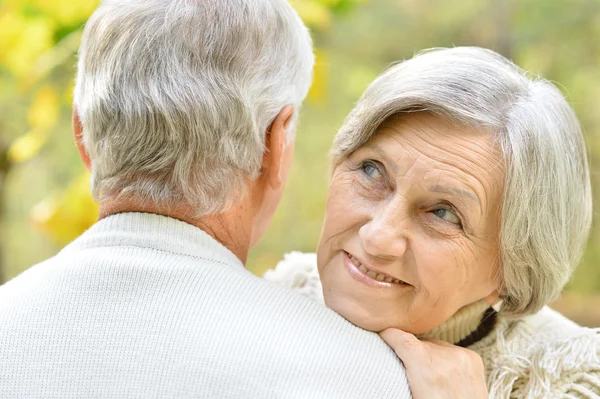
{"x": 44, "y": 195}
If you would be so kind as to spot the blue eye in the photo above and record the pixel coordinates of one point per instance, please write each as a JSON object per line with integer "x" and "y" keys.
{"x": 447, "y": 215}
{"x": 371, "y": 170}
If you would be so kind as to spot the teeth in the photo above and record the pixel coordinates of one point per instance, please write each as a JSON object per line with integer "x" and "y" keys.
{"x": 372, "y": 274}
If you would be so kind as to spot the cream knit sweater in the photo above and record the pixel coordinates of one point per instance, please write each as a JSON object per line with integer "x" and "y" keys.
{"x": 144, "y": 306}
{"x": 540, "y": 356}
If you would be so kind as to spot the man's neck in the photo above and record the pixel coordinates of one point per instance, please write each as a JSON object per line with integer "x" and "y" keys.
{"x": 230, "y": 228}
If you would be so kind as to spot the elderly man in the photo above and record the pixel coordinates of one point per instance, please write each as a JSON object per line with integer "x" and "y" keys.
{"x": 185, "y": 112}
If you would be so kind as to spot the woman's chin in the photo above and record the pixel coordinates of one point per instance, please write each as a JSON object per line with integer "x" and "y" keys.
{"x": 361, "y": 316}
{"x": 369, "y": 325}
{"x": 358, "y": 315}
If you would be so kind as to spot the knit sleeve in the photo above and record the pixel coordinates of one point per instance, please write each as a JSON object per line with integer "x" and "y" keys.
{"x": 298, "y": 272}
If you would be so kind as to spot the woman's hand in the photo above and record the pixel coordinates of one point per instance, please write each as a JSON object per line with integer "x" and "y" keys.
{"x": 436, "y": 369}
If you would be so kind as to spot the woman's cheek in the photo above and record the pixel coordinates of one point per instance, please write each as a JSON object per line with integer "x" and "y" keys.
{"x": 442, "y": 272}
{"x": 436, "y": 263}
{"x": 346, "y": 198}
{"x": 337, "y": 214}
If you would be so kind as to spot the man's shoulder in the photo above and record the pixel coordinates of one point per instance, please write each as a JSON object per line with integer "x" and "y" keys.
{"x": 28, "y": 281}
{"x": 186, "y": 314}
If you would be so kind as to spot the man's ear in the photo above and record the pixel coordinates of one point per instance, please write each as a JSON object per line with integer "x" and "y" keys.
{"x": 78, "y": 133}
{"x": 275, "y": 145}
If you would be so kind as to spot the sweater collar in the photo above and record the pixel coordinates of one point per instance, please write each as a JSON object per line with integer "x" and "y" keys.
{"x": 467, "y": 326}
{"x": 156, "y": 232}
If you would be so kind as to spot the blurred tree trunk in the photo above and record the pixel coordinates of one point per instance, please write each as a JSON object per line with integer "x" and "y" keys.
{"x": 4, "y": 168}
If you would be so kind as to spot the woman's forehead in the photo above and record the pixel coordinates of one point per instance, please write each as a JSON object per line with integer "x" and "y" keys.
{"x": 430, "y": 136}
{"x": 440, "y": 154}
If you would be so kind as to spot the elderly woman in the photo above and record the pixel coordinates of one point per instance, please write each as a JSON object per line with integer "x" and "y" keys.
{"x": 459, "y": 205}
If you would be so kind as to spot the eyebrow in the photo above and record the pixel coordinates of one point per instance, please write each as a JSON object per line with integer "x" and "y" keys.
{"x": 436, "y": 188}
{"x": 452, "y": 190}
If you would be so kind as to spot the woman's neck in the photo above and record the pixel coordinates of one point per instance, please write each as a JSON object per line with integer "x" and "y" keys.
{"x": 467, "y": 326}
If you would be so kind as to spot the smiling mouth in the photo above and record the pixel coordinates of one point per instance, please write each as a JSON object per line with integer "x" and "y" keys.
{"x": 374, "y": 274}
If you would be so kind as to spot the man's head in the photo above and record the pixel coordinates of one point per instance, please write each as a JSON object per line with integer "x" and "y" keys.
{"x": 175, "y": 99}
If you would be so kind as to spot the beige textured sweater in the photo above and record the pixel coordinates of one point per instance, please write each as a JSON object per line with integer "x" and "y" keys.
{"x": 144, "y": 306}
{"x": 540, "y": 356}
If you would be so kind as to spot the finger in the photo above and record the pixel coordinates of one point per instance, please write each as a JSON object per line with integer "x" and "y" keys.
{"x": 407, "y": 347}
{"x": 438, "y": 342}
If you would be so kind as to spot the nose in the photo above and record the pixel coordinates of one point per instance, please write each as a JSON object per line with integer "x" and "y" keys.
{"x": 384, "y": 235}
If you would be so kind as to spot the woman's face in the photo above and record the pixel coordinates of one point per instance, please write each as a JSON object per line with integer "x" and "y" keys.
{"x": 411, "y": 231}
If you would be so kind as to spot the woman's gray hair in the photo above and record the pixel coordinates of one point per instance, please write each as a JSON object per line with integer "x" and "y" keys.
{"x": 175, "y": 96}
{"x": 547, "y": 205}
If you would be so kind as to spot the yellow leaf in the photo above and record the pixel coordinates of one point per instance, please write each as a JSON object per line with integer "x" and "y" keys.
{"x": 60, "y": 54}
{"x": 26, "y": 146}
{"x": 10, "y": 24}
{"x": 67, "y": 12}
{"x": 68, "y": 92}
{"x": 66, "y": 215}
{"x": 313, "y": 13}
{"x": 43, "y": 112}
{"x": 23, "y": 40}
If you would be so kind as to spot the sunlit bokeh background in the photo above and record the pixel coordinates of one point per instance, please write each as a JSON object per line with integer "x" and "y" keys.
{"x": 44, "y": 195}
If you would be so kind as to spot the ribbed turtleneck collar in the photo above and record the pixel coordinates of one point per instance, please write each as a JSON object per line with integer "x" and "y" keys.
{"x": 467, "y": 326}
{"x": 160, "y": 233}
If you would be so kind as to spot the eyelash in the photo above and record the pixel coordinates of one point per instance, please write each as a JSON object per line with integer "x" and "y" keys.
{"x": 449, "y": 207}
{"x": 370, "y": 163}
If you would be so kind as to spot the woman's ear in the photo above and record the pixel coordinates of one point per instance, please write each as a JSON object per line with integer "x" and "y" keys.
{"x": 494, "y": 300}
{"x": 78, "y": 133}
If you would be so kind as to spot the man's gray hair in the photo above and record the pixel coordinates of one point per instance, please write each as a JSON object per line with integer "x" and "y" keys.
{"x": 175, "y": 96}
{"x": 547, "y": 205}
